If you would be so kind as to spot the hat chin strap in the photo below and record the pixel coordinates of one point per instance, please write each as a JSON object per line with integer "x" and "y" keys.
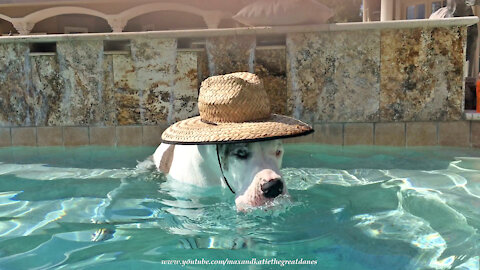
{"x": 221, "y": 170}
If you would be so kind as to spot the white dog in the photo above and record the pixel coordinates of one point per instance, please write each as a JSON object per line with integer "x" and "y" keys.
{"x": 250, "y": 170}
{"x": 234, "y": 142}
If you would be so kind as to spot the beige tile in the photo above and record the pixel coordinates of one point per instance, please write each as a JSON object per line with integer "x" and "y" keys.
{"x": 302, "y": 139}
{"x": 421, "y": 133}
{"x": 358, "y": 134}
{"x": 328, "y": 133}
{"x": 102, "y": 136}
{"x": 391, "y": 134}
{"x": 24, "y": 136}
{"x": 454, "y": 133}
{"x": 5, "y": 137}
{"x": 152, "y": 134}
{"x": 475, "y": 134}
{"x": 129, "y": 135}
{"x": 49, "y": 136}
{"x": 75, "y": 136}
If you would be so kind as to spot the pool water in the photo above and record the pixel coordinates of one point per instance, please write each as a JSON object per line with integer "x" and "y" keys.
{"x": 350, "y": 208}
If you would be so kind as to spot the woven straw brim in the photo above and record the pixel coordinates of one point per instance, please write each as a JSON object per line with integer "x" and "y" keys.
{"x": 194, "y": 131}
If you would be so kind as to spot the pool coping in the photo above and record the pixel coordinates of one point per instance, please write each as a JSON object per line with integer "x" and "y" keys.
{"x": 472, "y": 115}
{"x": 203, "y": 33}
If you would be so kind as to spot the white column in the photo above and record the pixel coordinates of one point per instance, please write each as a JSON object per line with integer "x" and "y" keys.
{"x": 386, "y": 10}
{"x": 476, "y": 12}
{"x": 117, "y": 23}
{"x": 365, "y": 10}
{"x": 23, "y": 27}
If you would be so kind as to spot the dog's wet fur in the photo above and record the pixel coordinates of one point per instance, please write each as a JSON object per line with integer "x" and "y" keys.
{"x": 236, "y": 166}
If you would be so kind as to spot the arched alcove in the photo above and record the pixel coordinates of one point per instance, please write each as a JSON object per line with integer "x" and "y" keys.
{"x": 6, "y": 28}
{"x": 165, "y": 20}
{"x": 72, "y": 23}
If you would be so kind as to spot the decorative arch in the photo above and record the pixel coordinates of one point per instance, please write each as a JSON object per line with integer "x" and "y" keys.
{"x": 117, "y": 22}
{"x": 25, "y": 25}
{"x": 5, "y": 24}
{"x": 165, "y": 20}
{"x": 5, "y": 18}
{"x": 212, "y": 18}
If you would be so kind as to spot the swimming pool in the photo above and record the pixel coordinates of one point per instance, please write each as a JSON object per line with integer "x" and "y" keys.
{"x": 350, "y": 208}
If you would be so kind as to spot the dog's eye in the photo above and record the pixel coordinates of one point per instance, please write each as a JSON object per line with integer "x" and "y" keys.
{"x": 241, "y": 154}
{"x": 278, "y": 153}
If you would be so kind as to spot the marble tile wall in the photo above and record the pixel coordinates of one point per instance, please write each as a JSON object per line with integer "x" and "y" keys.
{"x": 185, "y": 95}
{"x": 383, "y": 75}
{"x": 270, "y": 66}
{"x": 127, "y": 94}
{"x": 47, "y": 86}
{"x": 230, "y": 54}
{"x": 396, "y": 75}
{"x": 154, "y": 61}
{"x": 422, "y": 74}
{"x": 16, "y": 96}
{"x": 334, "y": 77}
{"x": 82, "y": 75}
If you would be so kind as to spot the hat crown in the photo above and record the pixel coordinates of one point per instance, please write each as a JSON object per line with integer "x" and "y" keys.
{"x": 233, "y": 98}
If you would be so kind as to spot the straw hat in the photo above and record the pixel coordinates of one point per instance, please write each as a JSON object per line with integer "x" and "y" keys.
{"x": 233, "y": 108}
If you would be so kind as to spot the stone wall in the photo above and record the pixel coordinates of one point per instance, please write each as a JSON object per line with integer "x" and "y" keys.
{"x": 386, "y": 78}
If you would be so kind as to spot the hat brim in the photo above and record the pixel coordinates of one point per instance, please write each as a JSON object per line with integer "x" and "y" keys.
{"x": 195, "y": 131}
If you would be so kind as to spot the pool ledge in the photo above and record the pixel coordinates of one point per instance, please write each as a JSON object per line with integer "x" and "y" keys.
{"x": 399, "y": 24}
{"x": 472, "y": 115}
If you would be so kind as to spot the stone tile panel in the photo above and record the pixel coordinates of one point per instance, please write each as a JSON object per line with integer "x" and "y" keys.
{"x": 334, "y": 77}
{"x": 155, "y": 65}
{"x": 48, "y": 90}
{"x": 230, "y": 54}
{"x": 16, "y": 95}
{"x": 127, "y": 94}
{"x": 270, "y": 66}
{"x": 422, "y": 74}
{"x": 81, "y": 69}
{"x": 185, "y": 94}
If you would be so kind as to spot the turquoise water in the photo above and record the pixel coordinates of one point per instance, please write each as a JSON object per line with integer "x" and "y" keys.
{"x": 350, "y": 208}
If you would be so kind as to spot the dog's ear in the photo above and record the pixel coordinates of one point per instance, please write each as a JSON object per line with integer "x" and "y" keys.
{"x": 167, "y": 159}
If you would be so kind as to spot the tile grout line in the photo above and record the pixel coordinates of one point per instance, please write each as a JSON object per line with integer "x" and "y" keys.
{"x": 88, "y": 134}
{"x": 470, "y": 144}
{"x": 63, "y": 137}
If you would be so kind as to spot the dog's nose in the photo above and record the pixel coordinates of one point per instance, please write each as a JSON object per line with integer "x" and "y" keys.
{"x": 273, "y": 188}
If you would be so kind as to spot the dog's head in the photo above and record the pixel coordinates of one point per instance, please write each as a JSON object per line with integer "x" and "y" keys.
{"x": 253, "y": 171}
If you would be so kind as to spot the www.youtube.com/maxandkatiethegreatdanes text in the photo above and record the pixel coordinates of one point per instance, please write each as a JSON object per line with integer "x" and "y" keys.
{"x": 253, "y": 261}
